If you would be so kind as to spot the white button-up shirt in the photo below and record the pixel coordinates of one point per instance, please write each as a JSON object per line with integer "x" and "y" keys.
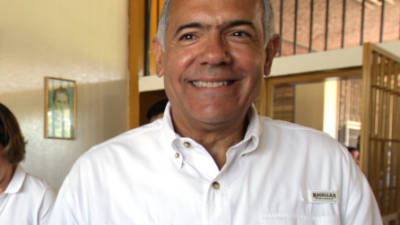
{"x": 279, "y": 174}
{"x": 26, "y": 201}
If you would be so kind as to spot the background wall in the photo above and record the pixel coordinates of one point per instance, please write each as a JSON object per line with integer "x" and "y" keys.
{"x": 316, "y": 105}
{"x": 82, "y": 40}
{"x": 309, "y": 105}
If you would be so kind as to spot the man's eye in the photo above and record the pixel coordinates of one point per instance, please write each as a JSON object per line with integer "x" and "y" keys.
{"x": 241, "y": 34}
{"x": 186, "y": 37}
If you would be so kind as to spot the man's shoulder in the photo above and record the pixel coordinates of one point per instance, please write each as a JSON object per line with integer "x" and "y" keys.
{"x": 282, "y": 124}
{"x": 137, "y": 141}
{"x": 300, "y": 137}
{"x": 148, "y": 132}
{"x": 121, "y": 156}
{"x": 286, "y": 126}
{"x": 303, "y": 144}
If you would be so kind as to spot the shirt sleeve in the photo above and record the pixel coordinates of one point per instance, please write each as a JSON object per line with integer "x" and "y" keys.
{"x": 360, "y": 206}
{"x": 46, "y": 206}
{"x": 71, "y": 203}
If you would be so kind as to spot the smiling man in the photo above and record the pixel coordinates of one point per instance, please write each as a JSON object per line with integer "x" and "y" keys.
{"x": 213, "y": 59}
{"x": 211, "y": 159}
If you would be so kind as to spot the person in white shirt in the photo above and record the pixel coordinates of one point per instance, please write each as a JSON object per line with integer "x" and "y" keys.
{"x": 211, "y": 159}
{"x": 24, "y": 199}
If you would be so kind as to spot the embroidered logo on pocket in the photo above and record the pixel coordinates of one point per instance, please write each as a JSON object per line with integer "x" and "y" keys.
{"x": 323, "y": 196}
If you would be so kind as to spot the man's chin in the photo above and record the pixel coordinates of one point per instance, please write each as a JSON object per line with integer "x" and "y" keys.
{"x": 218, "y": 119}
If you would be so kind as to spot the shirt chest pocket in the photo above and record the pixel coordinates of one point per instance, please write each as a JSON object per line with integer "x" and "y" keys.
{"x": 300, "y": 220}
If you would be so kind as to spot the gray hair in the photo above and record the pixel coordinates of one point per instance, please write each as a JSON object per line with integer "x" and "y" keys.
{"x": 268, "y": 22}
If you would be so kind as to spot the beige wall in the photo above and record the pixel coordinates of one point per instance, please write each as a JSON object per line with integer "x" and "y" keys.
{"x": 309, "y": 105}
{"x": 83, "y": 40}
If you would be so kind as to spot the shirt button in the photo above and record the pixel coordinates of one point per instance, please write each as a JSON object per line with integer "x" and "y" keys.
{"x": 187, "y": 144}
{"x": 216, "y": 185}
{"x": 177, "y": 155}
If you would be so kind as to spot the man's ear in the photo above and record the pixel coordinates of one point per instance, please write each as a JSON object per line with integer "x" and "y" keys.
{"x": 270, "y": 51}
{"x": 158, "y": 53}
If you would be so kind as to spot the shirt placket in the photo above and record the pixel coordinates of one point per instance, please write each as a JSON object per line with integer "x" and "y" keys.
{"x": 217, "y": 207}
{"x": 217, "y": 204}
{"x": 218, "y": 200}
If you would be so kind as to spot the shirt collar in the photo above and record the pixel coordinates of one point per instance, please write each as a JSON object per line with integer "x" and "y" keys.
{"x": 171, "y": 137}
{"x": 253, "y": 131}
{"x": 251, "y": 137}
{"x": 16, "y": 182}
{"x": 168, "y": 125}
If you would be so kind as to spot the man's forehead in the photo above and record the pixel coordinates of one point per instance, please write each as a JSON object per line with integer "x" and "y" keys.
{"x": 190, "y": 8}
{"x": 213, "y": 2}
{"x": 216, "y": 13}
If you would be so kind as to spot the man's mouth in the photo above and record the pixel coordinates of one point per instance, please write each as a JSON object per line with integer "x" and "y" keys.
{"x": 212, "y": 84}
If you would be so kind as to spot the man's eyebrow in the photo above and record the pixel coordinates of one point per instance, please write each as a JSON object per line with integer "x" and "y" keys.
{"x": 189, "y": 25}
{"x": 227, "y": 25}
{"x": 240, "y": 23}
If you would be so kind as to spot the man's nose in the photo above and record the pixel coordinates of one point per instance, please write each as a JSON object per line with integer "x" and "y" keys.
{"x": 216, "y": 51}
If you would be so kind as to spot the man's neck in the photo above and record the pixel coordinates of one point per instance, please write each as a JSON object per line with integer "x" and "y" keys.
{"x": 216, "y": 139}
{"x": 218, "y": 145}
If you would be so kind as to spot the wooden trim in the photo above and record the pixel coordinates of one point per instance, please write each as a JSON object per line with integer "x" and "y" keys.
{"x": 136, "y": 57}
{"x": 315, "y": 76}
{"x": 396, "y": 134}
{"x": 365, "y": 112}
{"x": 153, "y": 26}
{"x": 380, "y": 124}
{"x": 263, "y": 96}
{"x": 381, "y": 51}
{"x": 269, "y": 97}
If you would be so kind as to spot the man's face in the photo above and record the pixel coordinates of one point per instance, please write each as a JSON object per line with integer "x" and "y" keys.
{"x": 214, "y": 59}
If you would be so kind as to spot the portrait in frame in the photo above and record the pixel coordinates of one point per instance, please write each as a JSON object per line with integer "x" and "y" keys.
{"x": 60, "y": 108}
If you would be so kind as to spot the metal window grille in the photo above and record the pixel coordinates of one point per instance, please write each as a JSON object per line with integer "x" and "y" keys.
{"x": 320, "y": 25}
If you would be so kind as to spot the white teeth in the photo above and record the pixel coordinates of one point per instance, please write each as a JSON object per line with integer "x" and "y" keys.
{"x": 203, "y": 84}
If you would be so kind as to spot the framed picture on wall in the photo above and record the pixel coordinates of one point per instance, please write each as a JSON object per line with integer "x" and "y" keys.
{"x": 60, "y": 108}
